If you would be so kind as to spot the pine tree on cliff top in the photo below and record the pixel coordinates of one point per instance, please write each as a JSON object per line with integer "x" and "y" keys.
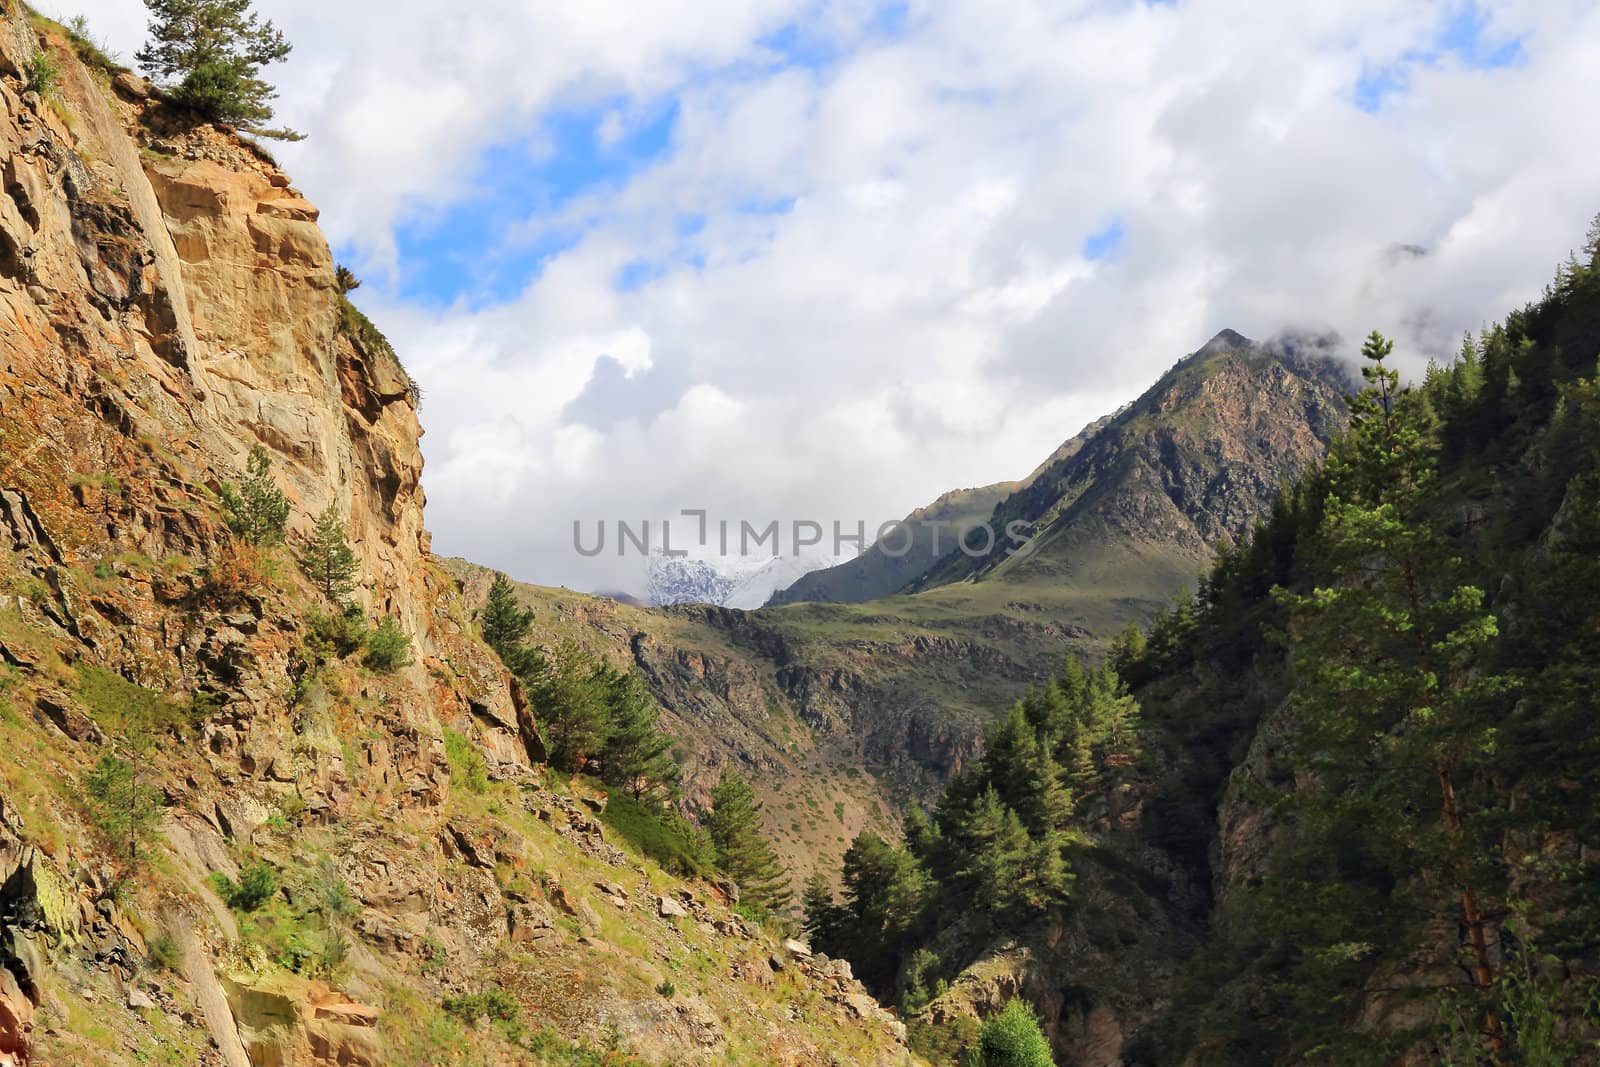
{"x": 208, "y": 54}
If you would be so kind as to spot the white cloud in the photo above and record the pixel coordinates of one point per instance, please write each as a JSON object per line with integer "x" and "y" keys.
{"x": 889, "y": 295}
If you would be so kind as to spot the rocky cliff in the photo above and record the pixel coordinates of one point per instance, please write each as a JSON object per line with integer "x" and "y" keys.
{"x": 223, "y": 837}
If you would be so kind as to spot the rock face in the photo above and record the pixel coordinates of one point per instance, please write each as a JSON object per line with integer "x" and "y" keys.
{"x": 169, "y": 304}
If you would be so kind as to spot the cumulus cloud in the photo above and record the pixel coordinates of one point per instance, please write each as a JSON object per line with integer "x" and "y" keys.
{"x": 883, "y": 251}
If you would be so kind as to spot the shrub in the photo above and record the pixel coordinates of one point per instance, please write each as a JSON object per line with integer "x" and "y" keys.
{"x": 237, "y": 574}
{"x": 335, "y": 635}
{"x": 1012, "y": 1039}
{"x": 257, "y": 884}
{"x": 497, "y": 1004}
{"x": 667, "y": 989}
{"x": 40, "y": 74}
{"x": 388, "y": 647}
{"x": 466, "y": 762}
{"x": 165, "y": 952}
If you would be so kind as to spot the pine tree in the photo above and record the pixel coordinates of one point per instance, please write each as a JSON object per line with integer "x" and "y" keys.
{"x": 743, "y": 851}
{"x": 885, "y": 894}
{"x": 257, "y": 511}
{"x": 506, "y": 625}
{"x": 209, "y": 54}
{"x": 993, "y": 849}
{"x": 125, "y": 806}
{"x": 566, "y": 692}
{"x": 824, "y": 921}
{"x": 636, "y": 754}
{"x": 327, "y": 559}
{"x": 1392, "y": 699}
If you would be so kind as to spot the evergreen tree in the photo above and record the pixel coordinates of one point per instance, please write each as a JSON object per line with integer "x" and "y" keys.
{"x": 1012, "y": 1039}
{"x": 636, "y": 754}
{"x": 124, "y": 805}
{"x": 992, "y": 849}
{"x": 743, "y": 851}
{"x": 209, "y": 54}
{"x": 327, "y": 559}
{"x": 257, "y": 511}
{"x": 566, "y": 691}
{"x": 824, "y": 922}
{"x": 506, "y": 625}
{"x": 1392, "y": 700}
{"x": 885, "y": 894}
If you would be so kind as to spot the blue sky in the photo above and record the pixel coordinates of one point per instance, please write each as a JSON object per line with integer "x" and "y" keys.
{"x": 1465, "y": 37}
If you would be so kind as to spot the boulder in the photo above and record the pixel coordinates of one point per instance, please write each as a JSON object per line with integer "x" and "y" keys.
{"x": 668, "y": 908}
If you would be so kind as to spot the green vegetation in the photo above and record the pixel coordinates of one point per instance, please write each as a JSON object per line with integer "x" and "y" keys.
{"x": 388, "y": 646}
{"x": 327, "y": 558}
{"x": 370, "y": 340}
{"x": 506, "y": 625}
{"x": 660, "y": 832}
{"x": 997, "y": 848}
{"x": 257, "y": 511}
{"x": 208, "y": 54}
{"x": 1012, "y": 1039}
{"x": 40, "y": 73}
{"x": 466, "y": 762}
{"x": 742, "y": 850}
{"x": 335, "y": 635}
{"x": 257, "y": 884}
{"x": 165, "y": 954}
{"x": 131, "y": 710}
{"x": 496, "y": 1004}
{"x": 123, "y": 805}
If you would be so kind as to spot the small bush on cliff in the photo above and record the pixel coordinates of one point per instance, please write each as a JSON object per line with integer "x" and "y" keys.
{"x": 1012, "y": 1039}
{"x": 335, "y": 635}
{"x": 257, "y": 510}
{"x": 497, "y": 1004}
{"x": 208, "y": 54}
{"x": 40, "y": 74}
{"x": 238, "y": 573}
{"x": 466, "y": 762}
{"x": 388, "y": 647}
{"x": 257, "y": 884}
{"x": 165, "y": 952}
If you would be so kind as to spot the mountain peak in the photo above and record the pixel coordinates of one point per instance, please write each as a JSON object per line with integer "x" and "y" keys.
{"x": 1225, "y": 341}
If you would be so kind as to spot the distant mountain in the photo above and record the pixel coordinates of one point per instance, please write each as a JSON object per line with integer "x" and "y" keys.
{"x": 736, "y": 582}
{"x": 1191, "y": 463}
{"x": 879, "y": 573}
{"x": 1157, "y": 484}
